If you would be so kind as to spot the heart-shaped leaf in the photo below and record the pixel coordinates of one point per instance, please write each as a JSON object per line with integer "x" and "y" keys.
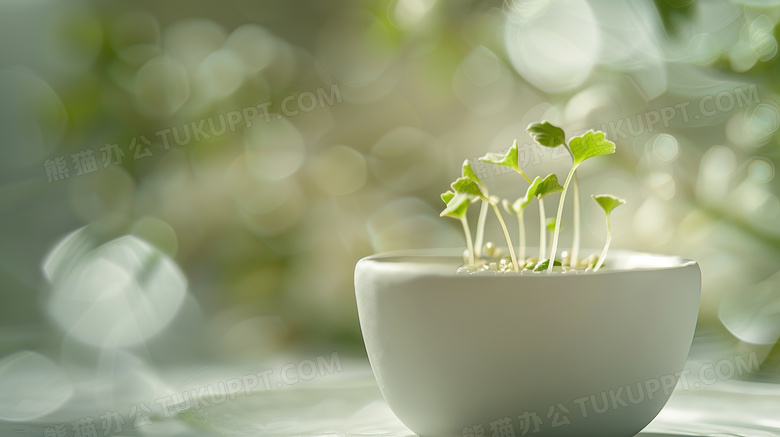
{"x": 530, "y": 193}
{"x": 457, "y": 205}
{"x": 468, "y": 172}
{"x": 590, "y": 144}
{"x": 608, "y": 202}
{"x": 509, "y": 159}
{"x": 546, "y": 134}
{"x": 546, "y": 186}
{"x": 467, "y": 186}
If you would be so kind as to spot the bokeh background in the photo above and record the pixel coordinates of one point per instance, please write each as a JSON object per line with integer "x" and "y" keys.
{"x": 193, "y": 182}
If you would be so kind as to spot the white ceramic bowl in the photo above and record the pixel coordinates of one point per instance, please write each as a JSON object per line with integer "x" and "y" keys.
{"x": 574, "y": 355}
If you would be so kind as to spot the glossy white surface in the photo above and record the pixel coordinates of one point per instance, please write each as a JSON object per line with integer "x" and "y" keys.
{"x": 453, "y": 352}
{"x": 348, "y": 403}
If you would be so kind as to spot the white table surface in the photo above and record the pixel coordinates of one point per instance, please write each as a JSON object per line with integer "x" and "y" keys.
{"x": 348, "y": 402}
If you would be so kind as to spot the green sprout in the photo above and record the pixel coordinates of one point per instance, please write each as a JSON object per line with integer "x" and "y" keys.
{"x": 607, "y": 203}
{"x": 457, "y": 205}
{"x": 548, "y": 135}
{"x": 517, "y": 208}
{"x": 583, "y": 147}
{"x": 540, "y": 188}
{"x": 465, "y": 185}
{"x": 468, "y": 172}
{"x": 469, "y": 188}
{"x": 509, "y": 159}
{"x": 493, "y": 202}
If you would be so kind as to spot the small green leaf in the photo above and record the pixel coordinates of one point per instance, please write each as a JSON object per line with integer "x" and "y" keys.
{"x": 548, "y": 185}
{"x": 546, "y": 263}
{"x": 530, "y": 193}
{"x": 468, "y": 172}
{"x": 550, "y": 224}
{"x": 447, "y": 196}
{"x": 509, "y": 159}
{"x": 546, "y": 134}
{"x": 608, "y": 202}
{"x": 456, "y": 206}
{"x": 590, "y": 144}
{"x": 467, "y": 186}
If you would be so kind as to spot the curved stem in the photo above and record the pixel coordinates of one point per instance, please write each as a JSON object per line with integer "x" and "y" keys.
{"x": 506, "y": 235}
{"x": 469, "y": 245}
{"x": 481, "y": 229}
{"x": 521, "y": 232}
{"x": 525, "y": 176}
{"x": 575, "y": 244}
{"x": 542, "y": 232}
{"x": 606, "y": 246}
{"x": 557, "y": 232}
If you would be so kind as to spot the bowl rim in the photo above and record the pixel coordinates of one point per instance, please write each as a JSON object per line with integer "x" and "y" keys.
{"x": 672, "y": 262}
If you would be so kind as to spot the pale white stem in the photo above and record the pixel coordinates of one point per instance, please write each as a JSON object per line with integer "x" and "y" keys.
{"x": 606, "y": 246}
{"x": 521, "y": 236}
{"x": 506, "y": 235}
{"x": 478, "y": 243}
{"x": 557, "y": 232}
{"x": 469, "y": 245}
{"x": 575, "y": 244}
{"x": 542, "y": 232}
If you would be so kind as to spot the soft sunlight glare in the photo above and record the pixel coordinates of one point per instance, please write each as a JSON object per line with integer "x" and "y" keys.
{"x": 554, "y": 46}
{"x": 715, "y": 171}
{"x": 162, "y": 86}
{"x": 31, "y": 386}
{"x": 665, "y": 147}
{"x": 117, "y": 295}
{"x": 274, "y": 149}
{"x": 254, "y": 45}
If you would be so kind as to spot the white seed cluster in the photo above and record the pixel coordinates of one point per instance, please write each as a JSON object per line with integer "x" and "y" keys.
{"x": 494, "y": 262}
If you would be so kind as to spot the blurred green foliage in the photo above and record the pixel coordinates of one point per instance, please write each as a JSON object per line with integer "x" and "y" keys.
{"x": 267, "y": 219}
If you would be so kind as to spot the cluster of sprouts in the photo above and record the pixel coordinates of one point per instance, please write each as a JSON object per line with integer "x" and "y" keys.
{"x": 468, "y": 189}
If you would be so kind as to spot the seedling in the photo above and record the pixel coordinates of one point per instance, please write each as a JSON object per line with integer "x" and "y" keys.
{"x": 457, "y": 205}
{"x": 547, "y": 135}
{"x": 468, "y": 172}
{"x": 540, "y": 188}
{"x": 588, "y": 145}
{"x": 509, "y": 159}
{"x": 517, "y": 209}
{"x": 608, "y": 203}
{"x": 469, "y": 188}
